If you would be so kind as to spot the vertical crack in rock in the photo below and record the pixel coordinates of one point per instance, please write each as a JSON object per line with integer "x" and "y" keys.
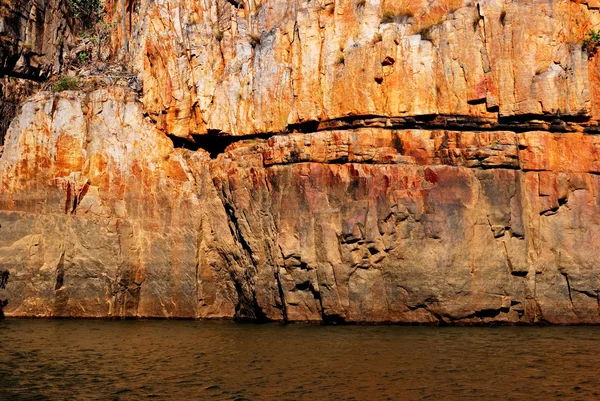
{"x": 247, "y": 307}
{"x": 317, "y": 295}
{"x": 3, "y": 303}
{"x": 60, "y": 273}
{"x": 236, "y": 232}
{"x": 127, "y": 285}
{"x": 566, "y": 276}
{"x": 508, "y": 262}
{"x": 281, "y": 295}
{"x": 4, "y": 276}
{"x": 199, "y": 251}
{"x": 68, "y": 199}
{"x": 272, "y": 229}
{"x": 61, "y": 296}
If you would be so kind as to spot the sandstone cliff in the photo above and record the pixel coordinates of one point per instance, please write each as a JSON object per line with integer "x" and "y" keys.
{"x": 343, "y": 161}
{"x": 33, "y": 39}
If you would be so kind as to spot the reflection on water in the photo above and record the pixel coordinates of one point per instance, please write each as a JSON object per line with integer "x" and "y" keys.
{"x": 187, "y": 360}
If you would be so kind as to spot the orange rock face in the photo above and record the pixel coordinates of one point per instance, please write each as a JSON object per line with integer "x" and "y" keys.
{"x": 419, "y": 226}
{"x": 378, "y": 161}
{"x": 262, "y": 65}
{"x": 33, "y": 39}
{"x": 101, "y": 216}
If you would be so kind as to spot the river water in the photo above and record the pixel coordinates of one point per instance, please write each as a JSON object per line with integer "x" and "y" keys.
{"x": 191, "y": 360}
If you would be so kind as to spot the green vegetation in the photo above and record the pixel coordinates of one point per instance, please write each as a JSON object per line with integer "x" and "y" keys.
{"x": 88, "y": 11}
{"x": 591, "y": 42}
{"x": 66, "y": 83}
{"x": 82, "y": 56}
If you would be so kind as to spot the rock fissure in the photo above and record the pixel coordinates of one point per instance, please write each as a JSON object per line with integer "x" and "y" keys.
{"x": 60, "y": 272}
{"x": 247, "y": 307}
{"x": 281, "y": 296}
{"x": 216, "y": 145}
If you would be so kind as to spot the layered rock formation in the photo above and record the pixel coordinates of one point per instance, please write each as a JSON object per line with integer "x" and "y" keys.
{"x": 102, "y": 217}
{"x": 347, "y": 161}
{"x": 260, "y": 66}
{"x": 33, "y": 39}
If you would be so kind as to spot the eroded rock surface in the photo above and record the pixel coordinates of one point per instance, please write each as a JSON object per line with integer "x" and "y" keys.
{"x": 349, "y": 161}
{"x": 101, "y": 216}
{"x": 421, "y": 226}
{"x": 34, "y": 35}
{"x": 259, "y": 66}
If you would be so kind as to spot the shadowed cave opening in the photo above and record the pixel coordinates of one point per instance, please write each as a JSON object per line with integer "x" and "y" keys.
{"x": 214, "y": 144}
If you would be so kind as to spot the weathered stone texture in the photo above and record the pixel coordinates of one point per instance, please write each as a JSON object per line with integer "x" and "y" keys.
{"x": 263, "y": 65}
{"x": 34, "y": 35}
{"x": 420, "y": 226}
{"x": 103, "y": 217}
{"x": 379, "y": 161}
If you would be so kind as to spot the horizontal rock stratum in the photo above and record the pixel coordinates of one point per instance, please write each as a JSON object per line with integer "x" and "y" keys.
{"x": 346, "y": 161}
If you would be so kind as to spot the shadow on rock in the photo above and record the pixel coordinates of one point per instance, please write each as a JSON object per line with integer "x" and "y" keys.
{"x": 4, "y": 275}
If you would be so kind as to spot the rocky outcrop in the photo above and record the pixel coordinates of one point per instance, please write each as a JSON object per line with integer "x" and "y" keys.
{"x": 252, "y": 66}
{"x": 34, "y": 35}
{"x": 349, "y": 161}
{"x": 421, "y": 226}
{"x": 101, "y": 216}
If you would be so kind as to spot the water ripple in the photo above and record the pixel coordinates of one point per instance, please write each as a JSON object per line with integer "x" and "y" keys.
{"x": 179, "y": 360}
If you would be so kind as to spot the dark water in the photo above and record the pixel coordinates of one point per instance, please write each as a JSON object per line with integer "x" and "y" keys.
{"x": 185, "y": 360}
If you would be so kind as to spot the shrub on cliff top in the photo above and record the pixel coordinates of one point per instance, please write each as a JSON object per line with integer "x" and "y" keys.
{"x": 591, "y": 42}
{"x": 66, "y": 84}
{"x": 88, "y": 11}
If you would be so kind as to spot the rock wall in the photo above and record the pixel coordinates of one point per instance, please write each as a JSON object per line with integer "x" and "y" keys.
{"x": 348, "y": 161}
{"x": 34, "y": 35}
{"x": 249, "y": 66}
{"x": 102, "y": 217}
{"x": 419, "y": 225}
